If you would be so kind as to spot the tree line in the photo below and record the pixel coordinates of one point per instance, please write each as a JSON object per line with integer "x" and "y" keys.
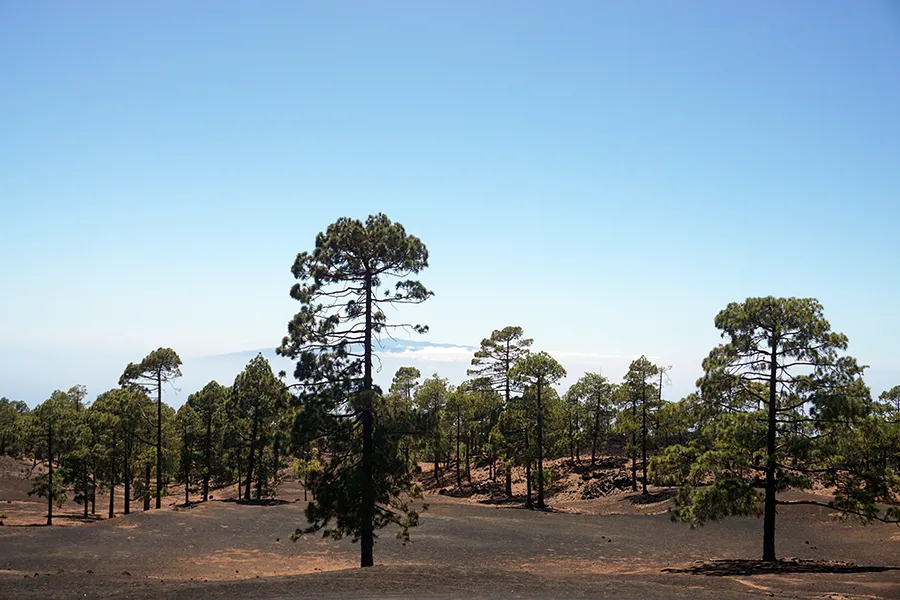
{"x": 127, "y": 439}
{"x": 781, "y": 405}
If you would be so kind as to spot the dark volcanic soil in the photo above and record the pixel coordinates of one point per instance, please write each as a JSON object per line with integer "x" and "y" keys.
{"x": 231, "y": 550}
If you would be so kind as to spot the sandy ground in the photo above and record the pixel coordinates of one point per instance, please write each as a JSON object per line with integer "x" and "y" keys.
{"x": 464, "y": 548}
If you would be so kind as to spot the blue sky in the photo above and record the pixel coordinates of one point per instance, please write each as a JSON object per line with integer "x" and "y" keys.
{"x": 608, "y": 175}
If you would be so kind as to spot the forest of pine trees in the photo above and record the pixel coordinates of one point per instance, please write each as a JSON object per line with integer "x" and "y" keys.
{"x": 780, "y": 405}
{"x": 250, "y": 432}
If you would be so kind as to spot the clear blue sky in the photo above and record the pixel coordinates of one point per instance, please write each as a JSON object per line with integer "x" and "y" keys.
{"x": 608, "y": 175}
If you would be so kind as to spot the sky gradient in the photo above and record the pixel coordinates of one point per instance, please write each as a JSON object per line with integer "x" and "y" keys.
{"x": 608, "y": 175}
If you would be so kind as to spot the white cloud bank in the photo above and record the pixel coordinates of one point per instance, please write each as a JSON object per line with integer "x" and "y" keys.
{"x": 435, "y": 354}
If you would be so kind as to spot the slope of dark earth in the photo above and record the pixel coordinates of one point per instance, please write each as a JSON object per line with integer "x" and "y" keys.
{"x": 231, "y": 550}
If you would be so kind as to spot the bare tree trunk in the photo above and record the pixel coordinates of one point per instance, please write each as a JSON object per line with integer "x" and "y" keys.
{"x": 468, "y": 458}
{"x": 509, "y": 453}
{"x": 240, "y": 464}
{"x": 276, "y": 449}
{"x": 187, "y": 481}
{"x": 633, "y": 447}
{"x": 207, "y": 455}
{"x": 112, "y": 480}
{"x": 260, "y": 477}
{"x": 159, "y": 471}
{"x": 596, "y": 432}
{"x": 50, "y": 493}
{"x": 571, "y": 439}
{"x": 126, "y": 475}
{"x": 367, "y": 507}
{"x": 577, "y": 444}
{"x": 147, "y": 486}
{"x": 540, "y": 447}
{"x": 508, "y": 468}
{"x": 770, "y": 501}
{"x": 643, "y": 440}
{"x": 527, "y": 473}
{"x": 458, "y": 464}
{"x": 253, "y": 444}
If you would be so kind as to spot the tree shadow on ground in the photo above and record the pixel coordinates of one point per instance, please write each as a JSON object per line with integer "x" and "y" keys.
{"x": 57, "y": 518}
{"x": 724, "y": 568}
{"x": 82, "y": 518}
{"x": 518, "y": 502}
{"x": 467, "y": 490}
{"x": 652, "y": 497}
{"x": 603, "y": 463}
{"x": 263, "y": 502}
{"x": 503, "y": 501}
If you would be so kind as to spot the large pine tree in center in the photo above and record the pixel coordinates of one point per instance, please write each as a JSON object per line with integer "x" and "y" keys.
{"x": 343, "y": 288}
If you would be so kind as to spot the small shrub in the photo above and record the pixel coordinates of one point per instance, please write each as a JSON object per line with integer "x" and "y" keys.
{"x": 551, "y": 476}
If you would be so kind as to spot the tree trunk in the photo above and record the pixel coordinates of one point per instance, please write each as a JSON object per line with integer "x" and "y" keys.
{"x": 507, "y": 467}
{"x": 93, "y": 495}
{"x": 50, "y": 493}
{"x": 572, "y": 438}
{"x": 126, "y": 475}
{"x": 769, "y": 510}
{"x": 575, "y": 437}
{"x": 596, "y": 432}
{"x": 84, "y": 485}
{"x": 468, "y": 470}
{"x": 367, "y": 508}
{"x": 633, "y": 447}
{"x": 253, "y": 450}
{"x": 509, "y": 454}
{"x": 540, "y": 448}
{"x": 644, "y": 440}
{"x": 527, "y": 473}
{"x": 147, "y": 470}
{"x": 458, "y": 464}
{"x": 159, "y": 471}
{"x": 207, "y": 456}
{"x": 249, "y": 480}
{"x": 276, "y": 458}
{"x": 112, "y": 481}
{"x": 240, "y": 464}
